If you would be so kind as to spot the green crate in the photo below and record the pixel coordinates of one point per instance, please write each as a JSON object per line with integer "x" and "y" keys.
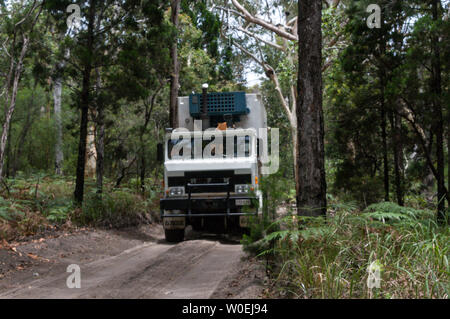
{"x": 228, "y": 103}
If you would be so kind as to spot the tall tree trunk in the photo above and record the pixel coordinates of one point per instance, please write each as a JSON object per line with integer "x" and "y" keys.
{"x": 382, "y": 78}
{"x": 100, "y": 139}
{"x": 142, "y": 149}
{"x": 8, "y": 157}
{"x": 12, "y": 103}
{"x": 448, "y": 158}
{"x": 295, "y": 151}
{"x": 91, "y": 148}
{"x": 84, "y": 105}
{"x": 436, "y": 88}
{"x": 397, "y": 151}
{"x": 311, "y": 200}
{"x": 143, "y": 166}
{"x": 174, "y": 78}
{"x": 400, "y": 165}
{"x": 59, "y": 155}
{"x": 385, "y": 148}
{"x": 100, "y": 146}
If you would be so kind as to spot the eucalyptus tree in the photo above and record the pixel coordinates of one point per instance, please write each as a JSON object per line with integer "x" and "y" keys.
{"x": 311, "y": 196}
{"x": 175, "y": 74}
{"x": 270, "y": 29}
{"x": 18, "y": 22}
{"x": 96, "y": 45}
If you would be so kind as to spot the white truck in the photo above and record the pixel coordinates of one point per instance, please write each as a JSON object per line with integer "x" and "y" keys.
{"x": 212, "y": 163}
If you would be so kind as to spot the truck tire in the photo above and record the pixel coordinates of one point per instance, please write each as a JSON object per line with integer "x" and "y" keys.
{"x": 174, "y": 235}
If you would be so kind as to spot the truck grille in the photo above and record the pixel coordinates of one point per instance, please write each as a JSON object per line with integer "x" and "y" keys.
{"x": 215, "y": 177}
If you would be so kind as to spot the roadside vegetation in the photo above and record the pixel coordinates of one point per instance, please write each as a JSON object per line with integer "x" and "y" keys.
{"x": 330, "y": 257}
{"x": 40, "y": 203}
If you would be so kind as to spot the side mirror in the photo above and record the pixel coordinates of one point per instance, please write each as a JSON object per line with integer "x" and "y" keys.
{"x": 160, "y": 153}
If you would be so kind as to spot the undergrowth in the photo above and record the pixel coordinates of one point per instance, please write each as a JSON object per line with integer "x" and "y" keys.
{"x": 317, "y": 257}
{"x": 33, "y": 204}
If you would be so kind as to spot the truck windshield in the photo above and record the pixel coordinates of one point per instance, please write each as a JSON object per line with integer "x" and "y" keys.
{"x": 239, "y": 146}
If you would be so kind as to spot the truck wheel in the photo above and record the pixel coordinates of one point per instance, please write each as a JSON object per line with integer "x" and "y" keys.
{"x": 174, "y": 235}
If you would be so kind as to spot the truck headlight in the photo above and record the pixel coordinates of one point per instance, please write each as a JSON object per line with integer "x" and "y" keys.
{"x": 176, "y": 191}
{"x": 241, "y": 189}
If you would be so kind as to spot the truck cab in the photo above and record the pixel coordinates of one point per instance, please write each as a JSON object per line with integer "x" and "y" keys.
{"x": 212, "y": 166}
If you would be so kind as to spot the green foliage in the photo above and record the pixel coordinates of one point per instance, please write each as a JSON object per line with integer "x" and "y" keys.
{"x": 259, "y": 227}
{"x": 38, "y": 202}
{"x": 10, "y": 210}
{"x": 207, "y": 23}
{"x": 276, "y": 193}
{"x": 382, "y": 70}
{"x": 59, "y": 214}
{"x": 114, "y": 209}
{"x": 390, "y": 211}
{"x": 328, "y": 258}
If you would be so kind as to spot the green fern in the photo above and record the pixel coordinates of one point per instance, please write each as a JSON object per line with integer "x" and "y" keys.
{"x": 388, "y": 211}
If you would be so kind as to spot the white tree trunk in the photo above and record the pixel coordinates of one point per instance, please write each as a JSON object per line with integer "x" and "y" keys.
{"x": 99, "y": 138}
{"x": 91, "y": 153}
{"x": 59, "y": 155}
{"x": 12, "y": 104}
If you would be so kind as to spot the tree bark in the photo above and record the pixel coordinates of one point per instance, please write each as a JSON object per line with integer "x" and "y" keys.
{"x": 436, "y": 89}
{"x": 84, "y": 105}
{"x": 311, "y": 199}
{"x": 295, "y": 150}
{"x": 12, "y": 103}
{"x": 174, "y": 79}
{"x": 100, "y": 147}
{"x": 99, "y": 139}
{"x": 8, "y": 155}
{"x": 57, "y": 92}
{"x": 397, "y": 151}
{"x": 448, "y": 158}
{"x": 383, "y": 110}
{"x": 400, "y": 165}
{"x": 385, "y": 147}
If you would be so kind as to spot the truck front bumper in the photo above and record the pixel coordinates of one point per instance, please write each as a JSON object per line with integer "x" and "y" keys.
{"x": 198, "y": 206}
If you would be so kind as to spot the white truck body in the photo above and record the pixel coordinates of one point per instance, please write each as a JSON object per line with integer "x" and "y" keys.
{"x": 202, "y": 190}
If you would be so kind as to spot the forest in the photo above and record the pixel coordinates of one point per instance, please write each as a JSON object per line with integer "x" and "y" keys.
{"x": 360, "y": 97}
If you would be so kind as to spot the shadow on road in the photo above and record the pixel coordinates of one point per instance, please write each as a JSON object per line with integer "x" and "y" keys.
{"x": 225, "y": 239}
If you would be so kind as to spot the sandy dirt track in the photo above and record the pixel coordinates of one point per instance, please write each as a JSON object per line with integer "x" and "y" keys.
{"x": 133, "y": 263}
